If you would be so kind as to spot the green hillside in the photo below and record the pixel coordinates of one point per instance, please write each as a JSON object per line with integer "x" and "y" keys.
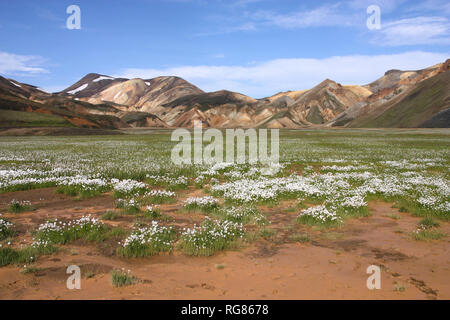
{"x": 429, "y": 98}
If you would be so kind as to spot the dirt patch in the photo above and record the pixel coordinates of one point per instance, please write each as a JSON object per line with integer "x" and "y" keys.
{"x": 423, "y": 287}
{"x": 60, "y": 273}
{"x": 389, "y": 255}
{"x": 264, "y": 249}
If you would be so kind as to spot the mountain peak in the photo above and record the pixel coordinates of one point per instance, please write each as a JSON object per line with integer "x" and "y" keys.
{"x": 327, "y": 82}
{"x": 392, "y": 71}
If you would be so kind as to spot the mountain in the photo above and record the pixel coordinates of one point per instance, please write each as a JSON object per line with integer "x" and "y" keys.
{"x": 215, "y": 109}
{"x": 137, "y": 94}
{"x": 417, "y": 98}
{"x": 325, "y": 101}
{"x": 23, "y": 105}
{"x": 89, "y": 85}
{"x": 424, "y": 105}
{"x": 403, "y": 99}
{"x": 21, "y": 90}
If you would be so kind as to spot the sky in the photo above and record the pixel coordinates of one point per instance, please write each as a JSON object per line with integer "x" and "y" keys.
{"x": 255, "y": 47}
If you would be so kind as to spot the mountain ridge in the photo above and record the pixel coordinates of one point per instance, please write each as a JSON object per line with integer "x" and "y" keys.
{"x": 102, "y": 101}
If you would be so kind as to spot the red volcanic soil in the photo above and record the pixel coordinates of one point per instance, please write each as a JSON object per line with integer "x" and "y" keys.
{"x": 330, "y": 266}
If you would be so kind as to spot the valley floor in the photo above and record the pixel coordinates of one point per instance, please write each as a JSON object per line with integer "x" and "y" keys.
{"x": 342, "y": 200}
{"x": 330, "y": 265}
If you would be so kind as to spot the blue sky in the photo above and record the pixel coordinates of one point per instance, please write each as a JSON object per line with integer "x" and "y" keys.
{"x": 256, "y": 47}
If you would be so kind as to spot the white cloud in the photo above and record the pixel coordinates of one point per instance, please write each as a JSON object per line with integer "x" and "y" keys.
{"x": 438, "y": 6}
{"x": 243, "y": 3}
{"x": 421, "y": 23}
{"x": 14, "y": 64}
{"x": 270, "y": 77}
{"x": 327, "y": 15}
{"x": 386, "y": 6}
{"x": 414, "y": 31}
{"x": 248, "y": 26}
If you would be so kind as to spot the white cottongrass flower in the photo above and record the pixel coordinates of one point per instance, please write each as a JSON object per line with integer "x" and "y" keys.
{"x": 206, "y": 201}
{"x": 355, "y": 201}
{"x": 161, "y": 193}
{"x": 320, "y": 214}
{"x": 128, "y": 186}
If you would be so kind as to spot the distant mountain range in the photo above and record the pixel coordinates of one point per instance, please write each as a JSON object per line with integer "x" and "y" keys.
{"x": 403, "y": 99}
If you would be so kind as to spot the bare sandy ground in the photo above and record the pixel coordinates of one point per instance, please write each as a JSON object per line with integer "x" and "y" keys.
{"x": 331, "y": 266}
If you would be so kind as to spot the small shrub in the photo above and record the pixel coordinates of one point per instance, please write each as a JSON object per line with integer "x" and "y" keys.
{"x": 152, "y": 212}
{"x": 320, "y": 216}
{"x": 426, "y": 230}
{"x": 8, "y": 256}
{"x": 352, "y": 206}
{"x": 210, "y": 236}
{"x": 129, "y": 206}
{"x": 59, "y": 232}
{"x": 204, "y": 204}
{"x": 128, "y": 188}
{"x": 427, "y": 234}
{"x": 159, "y": 196}
{"x": 83, "y": 187}
{"x": 171, "y": 183}
{"x": 81, "y": 191}
{"x": 25, "y": 255}
{"x": 427, "y": 223}
{"x": 242, "y": 214}
{"x": 147, "y": 241}
{"x": 120, "y": 278}
{"x": 16, "y": 206}
{"x": 29, "y": 269}
{"x": 6, "y": 228}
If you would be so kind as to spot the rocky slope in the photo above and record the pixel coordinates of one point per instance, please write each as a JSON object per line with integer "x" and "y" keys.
{"x": 90, "y": 85}
{"x": 25, "y": 105}
{"x": 402, "y": 99}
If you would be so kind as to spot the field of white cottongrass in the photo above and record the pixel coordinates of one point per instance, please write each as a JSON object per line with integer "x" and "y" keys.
{"x": 331, "y": 175}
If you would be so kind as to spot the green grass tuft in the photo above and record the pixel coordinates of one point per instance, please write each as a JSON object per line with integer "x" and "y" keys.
{"x": 16, "y": 206}
{"x": 25, "y": 255}
{"x": 120, "y": 278}
{"x": 424, "y": 234}
{"x": 428, "y": 223}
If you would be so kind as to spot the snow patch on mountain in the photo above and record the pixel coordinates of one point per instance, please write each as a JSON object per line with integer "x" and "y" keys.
{"x": 102, "y": 78}
{"x": 84, "y": 86}
{"x": 17, "y": 85}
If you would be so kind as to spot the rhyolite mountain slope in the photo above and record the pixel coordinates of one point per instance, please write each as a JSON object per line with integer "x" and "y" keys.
{"x": 90, "y": 85}
{"x": 22, "y": 90}
{"x": 398, "y": 99}
{"x": 425, "y": 105}
{"x": 23, "y": 105}
{"x": 325, "y": 101}
{"x": 403, "y": 99}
